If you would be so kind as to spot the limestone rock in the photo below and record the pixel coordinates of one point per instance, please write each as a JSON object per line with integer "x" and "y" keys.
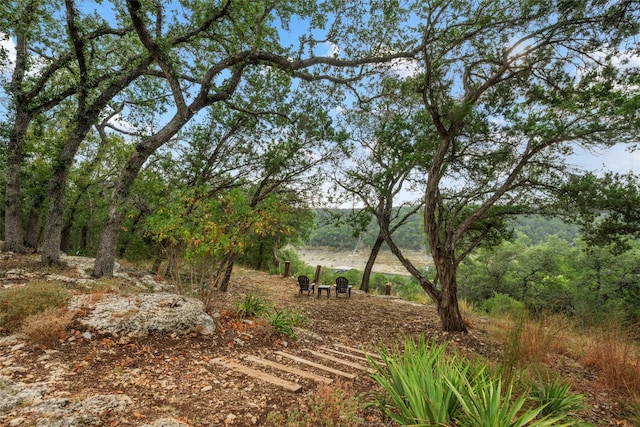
{"x": 142, "y": 314}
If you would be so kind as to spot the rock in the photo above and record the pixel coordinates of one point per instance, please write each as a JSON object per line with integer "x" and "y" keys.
{"x": 206, "y": 388}
{"x": 146, "y": 313}
{"x": 17, "y": 347}
{"x": 63, "y": 412}
{"x": 106, "y": 402}
{"x": 149, "y": 283}
{"x": 15, "y": 274}
{"x": 14, "y": 394}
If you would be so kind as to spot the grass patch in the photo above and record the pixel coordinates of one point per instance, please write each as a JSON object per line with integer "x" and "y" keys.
{"x": 47, "y": 327}
{"x": 20, "y": 302}
{"x": 532, "y": 341}
{"x": 616, "y": 357}
{"x": 329, "y": 405}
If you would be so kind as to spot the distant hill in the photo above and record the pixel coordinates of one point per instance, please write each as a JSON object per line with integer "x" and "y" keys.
{"x": 332, "y": 229}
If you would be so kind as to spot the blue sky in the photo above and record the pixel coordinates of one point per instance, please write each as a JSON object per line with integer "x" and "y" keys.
{"x": 617, "y": 159}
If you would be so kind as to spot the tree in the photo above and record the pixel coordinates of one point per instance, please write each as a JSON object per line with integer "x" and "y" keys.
{"x": 37, "y": 85}
{"x": 606, "y": 208}
{"x": 99, "y": 78}
{"x": 390, "y": 148}
{"x": 220, "y": 44}
{"x": 510, "y": 89}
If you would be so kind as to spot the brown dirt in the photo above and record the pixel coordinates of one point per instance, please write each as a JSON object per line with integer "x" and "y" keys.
{"x": 173, "y": 376}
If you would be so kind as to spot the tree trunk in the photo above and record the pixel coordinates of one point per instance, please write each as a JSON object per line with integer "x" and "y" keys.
{"x": 224, "y": 275}
{"x": 57, "y": 194}
{"x": 106, "y": 256}
{"x": 370, "y": 262}
{"x": 447, "y": 300}
{"x": 34, "y": 230}
{"x": 274, "y": 251}
{"x": 13, "y": 233}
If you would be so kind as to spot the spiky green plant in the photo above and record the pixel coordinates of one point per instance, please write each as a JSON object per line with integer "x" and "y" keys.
{"x": 250, "y": 306}
{"x": 282, "y": 323}
{"x": 486, "y": 403}
{"x": 554, "y": 397}
{"x": 414, "y": 380}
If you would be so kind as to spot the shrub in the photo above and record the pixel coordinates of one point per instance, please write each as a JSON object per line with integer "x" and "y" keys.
{"x": 415, "y": 384}
{"x": 486, "y": 403}
{"x": 500, "y": 305}
{"x": 531, "y": 341}
{"x": 20, "y": 302}
{"x": 48, "y": 326}
{"x": 617, "y": 357}
{"x": 297, "y": 265}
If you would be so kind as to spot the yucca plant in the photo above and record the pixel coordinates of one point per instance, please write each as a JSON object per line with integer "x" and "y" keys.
{"x": 484, "y": 405}
{"x": 415, "y": 383}
{"x": 250, "y": 306}
{"x": 554, "y": 397}
{"x": 282, "y": 323}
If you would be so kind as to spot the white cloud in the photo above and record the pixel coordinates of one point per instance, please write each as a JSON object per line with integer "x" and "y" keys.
{"x": 615, "y": 159}
{"x": 332, "y": 49}
{"x": 8, "y": 55}
{"x": 405, "y": 67}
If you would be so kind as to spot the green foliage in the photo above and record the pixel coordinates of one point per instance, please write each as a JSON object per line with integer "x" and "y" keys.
{"x": 425, "y": 387}
{"x": 20, "y": 302}
{"x": 297, "y": 265}
{"x": 606, "y": 208}
{"x": 500, "y": 305}
{"x": 416, "y": 381}
{"x": 283, "y": 322}
{"x": 202, "y": 236}
{"x": 487, "y": 403}
{"x": 587, "y": 283}
{"x": 250, "y": 306}
{"x": 554, "y": 397}
{"x": 334, "y": 228}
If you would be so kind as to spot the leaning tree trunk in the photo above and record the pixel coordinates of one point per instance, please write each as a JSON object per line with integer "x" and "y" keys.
{"x": 57, "y": 194}
{"x": 226, "y": 268}
{"x": 370, "y": 262}
{"x": 222, "y": 278}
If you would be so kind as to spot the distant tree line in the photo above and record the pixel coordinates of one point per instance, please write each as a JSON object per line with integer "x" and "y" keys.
{"x": 332, "y": 229}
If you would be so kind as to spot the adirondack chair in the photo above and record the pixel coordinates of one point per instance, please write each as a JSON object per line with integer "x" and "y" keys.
{"x": 343, "y": 287}
{"x": 305, "y": 285}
